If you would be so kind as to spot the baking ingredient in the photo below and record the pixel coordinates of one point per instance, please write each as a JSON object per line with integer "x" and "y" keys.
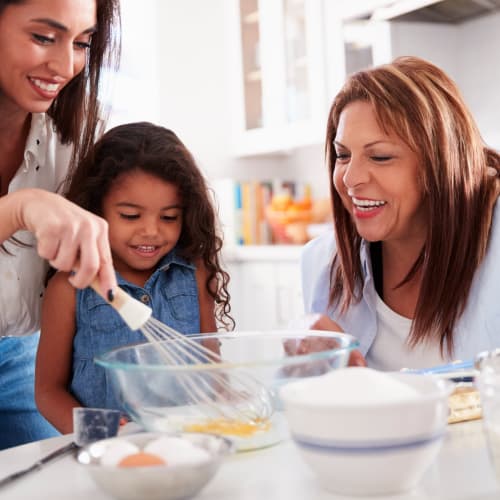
{"x": 141, "y": 459}
{"x": 230, "y": 427}
{"x": 465, "y": 404}
{"x": 176, "y": 451}
{"x": 355, "y": 386}
{"x": 117, "y": 450}
{"x": 165, "y": 450}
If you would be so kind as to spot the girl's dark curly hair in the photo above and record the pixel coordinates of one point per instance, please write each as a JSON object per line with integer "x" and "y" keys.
{"x": 159, "y": 152}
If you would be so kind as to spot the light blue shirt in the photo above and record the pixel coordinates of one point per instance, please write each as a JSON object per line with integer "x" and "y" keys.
{"x": 477, "y": 329}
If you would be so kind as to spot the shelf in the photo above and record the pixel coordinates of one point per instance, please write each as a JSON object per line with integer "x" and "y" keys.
{"x": 245, "y": 253}
{"x": 251, "y": 18}
{"x": 254, "y": 76}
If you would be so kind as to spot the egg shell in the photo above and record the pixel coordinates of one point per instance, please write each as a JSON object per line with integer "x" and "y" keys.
{"x": 116, "y": 451}
{"x": 176, "y": 451}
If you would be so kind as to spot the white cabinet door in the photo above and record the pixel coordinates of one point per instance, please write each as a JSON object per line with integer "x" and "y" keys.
{"x": 279, "y": 74}
{"x": 265, "y": 295}
{"x": 289, "y": 305}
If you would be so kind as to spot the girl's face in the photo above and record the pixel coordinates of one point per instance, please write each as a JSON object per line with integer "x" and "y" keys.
{"x": 43, "y": 45}
{"x": 145, "y": 220}
{"x": 376, "y": 176}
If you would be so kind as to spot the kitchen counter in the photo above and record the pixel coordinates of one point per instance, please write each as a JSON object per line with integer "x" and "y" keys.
{"x": 461, "y": 471}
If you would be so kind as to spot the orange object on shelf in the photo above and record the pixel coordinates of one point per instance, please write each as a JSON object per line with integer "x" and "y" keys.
{"x": 289, "y": 220}
{"x": 289, "y": 226}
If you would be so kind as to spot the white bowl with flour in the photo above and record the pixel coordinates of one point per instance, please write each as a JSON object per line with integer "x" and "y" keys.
{"x": 366, "y": 432}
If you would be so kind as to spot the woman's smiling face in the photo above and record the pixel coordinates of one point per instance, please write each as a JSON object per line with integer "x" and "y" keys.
{"x": 43, "y": 46}
{"x": 377, "y": 177}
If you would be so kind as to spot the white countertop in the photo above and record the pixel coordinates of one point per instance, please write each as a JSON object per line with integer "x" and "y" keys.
{"x": 461, "y": 471}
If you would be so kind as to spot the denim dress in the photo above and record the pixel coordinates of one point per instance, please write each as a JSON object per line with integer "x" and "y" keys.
{"x": 171, "y": 292}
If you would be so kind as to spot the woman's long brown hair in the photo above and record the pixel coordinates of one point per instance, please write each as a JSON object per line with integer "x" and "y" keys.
{"x": 423, "y": 106}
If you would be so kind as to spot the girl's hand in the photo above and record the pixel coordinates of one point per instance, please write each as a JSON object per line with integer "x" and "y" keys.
{"x": 323, "y": 322}
{"x": 67, "y": 236}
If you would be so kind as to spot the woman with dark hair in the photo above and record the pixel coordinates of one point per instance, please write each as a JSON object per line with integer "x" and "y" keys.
{"x": 166, "y": 248}
{"x": 411, "y": 268}
{"x": 52, "y": 53}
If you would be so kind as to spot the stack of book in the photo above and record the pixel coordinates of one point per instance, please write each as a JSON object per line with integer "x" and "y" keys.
{"x": 244, "y": 206}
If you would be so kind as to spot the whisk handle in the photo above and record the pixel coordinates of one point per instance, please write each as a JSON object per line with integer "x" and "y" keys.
{"x": 133, "y": 312}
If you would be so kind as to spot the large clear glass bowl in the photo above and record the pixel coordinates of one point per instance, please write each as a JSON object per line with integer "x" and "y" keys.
{"x": 237, "y": 397}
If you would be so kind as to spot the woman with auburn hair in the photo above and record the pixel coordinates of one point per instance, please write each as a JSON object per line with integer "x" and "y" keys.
{"x": 52, "y": 53}
{"x": 411, "y": 268}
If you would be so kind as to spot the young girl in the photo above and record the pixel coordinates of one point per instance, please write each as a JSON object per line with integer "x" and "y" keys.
{"x": 162, "y": 230}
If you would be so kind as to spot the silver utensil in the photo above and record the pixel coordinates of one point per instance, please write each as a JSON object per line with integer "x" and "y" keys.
{"x": 60, "y": 452}
{"x": 90, "y": 424}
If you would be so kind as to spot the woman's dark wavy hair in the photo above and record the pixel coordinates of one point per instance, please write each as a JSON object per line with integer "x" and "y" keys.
{"x": 158, "y": 151}
{"x": 460, "y": 182}
{"x": 76, "y": 111}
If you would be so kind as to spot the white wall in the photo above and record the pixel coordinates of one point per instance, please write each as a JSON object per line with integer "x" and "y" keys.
{"x": 434, "y": 42}
{"x": 479, "y": 59}
{"x": 469, "y": 53}
{"x": 135, "y": 88}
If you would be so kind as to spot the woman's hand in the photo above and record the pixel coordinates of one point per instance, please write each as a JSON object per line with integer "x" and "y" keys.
{"x": 323, "y": 322}
{"x": 67, "y": 236}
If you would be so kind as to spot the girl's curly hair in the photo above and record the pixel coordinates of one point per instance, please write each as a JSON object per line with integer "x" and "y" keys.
{"x": 158, "y": 151}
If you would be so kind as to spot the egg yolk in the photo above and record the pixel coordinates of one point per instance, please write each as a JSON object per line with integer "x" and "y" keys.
{"x": 141, "y": 459}
{"x": 230, "y": 427}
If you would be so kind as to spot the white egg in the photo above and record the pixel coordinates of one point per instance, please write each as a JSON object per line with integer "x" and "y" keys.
{"x": 118, "y": 450}
{"x": 176, "y": 451}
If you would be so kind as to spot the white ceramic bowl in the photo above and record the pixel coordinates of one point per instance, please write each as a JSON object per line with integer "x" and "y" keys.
{"x": 369, "y": 448}
{"x": 162, "y": 482}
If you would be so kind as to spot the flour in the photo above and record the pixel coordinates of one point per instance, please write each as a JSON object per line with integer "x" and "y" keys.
{"x": 176, "y": 451}
{"x": 355, "y": 386}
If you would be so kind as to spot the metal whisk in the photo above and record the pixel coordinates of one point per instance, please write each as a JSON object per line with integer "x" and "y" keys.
{"x": 237, "y": 398}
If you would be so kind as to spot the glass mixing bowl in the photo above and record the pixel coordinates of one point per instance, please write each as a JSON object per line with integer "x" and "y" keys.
{"x": 237, "y": 397}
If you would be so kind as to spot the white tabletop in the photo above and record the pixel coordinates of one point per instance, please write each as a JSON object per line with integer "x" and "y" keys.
{"x": 461, "y": 471}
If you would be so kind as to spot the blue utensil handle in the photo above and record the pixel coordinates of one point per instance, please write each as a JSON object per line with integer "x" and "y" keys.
{"x": 447, "y": 368}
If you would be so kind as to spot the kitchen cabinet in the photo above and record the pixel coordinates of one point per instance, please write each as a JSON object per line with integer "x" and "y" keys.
{"x": 265, "y": 286}
{"x": 279, "y": 74}
{"x": 289, "y": 60}
{"x": 366, "y": 43}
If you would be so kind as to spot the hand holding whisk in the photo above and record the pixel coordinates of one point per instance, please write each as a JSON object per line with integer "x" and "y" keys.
{"x": 239, "y": 398}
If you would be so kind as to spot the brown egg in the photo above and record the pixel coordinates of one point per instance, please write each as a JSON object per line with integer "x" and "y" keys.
{"x": 141, "y": 459}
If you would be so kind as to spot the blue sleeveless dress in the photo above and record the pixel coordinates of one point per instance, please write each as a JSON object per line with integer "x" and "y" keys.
{"x": 171, "y": 292}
